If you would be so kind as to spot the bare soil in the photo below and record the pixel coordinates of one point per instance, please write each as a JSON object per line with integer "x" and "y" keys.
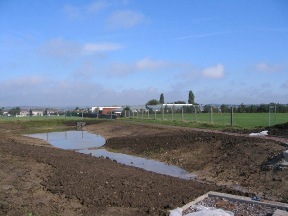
{"x": 38, "y": 179}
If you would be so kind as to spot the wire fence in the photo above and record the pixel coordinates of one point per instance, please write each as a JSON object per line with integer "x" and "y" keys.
{"x": 251, "y": 116}
{"x": 212, "y": 115}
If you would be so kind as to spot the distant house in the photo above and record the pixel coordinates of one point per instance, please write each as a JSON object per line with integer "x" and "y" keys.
{"x": 23, "y": 113}
{"x": 37, "y": 112}
{"x": 107, "y": 110}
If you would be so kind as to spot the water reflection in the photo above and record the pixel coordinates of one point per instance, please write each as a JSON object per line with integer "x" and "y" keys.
{"x": 71, "y": 139}
{"x": 83, "y": 141}
{"x": 144, "y": 163}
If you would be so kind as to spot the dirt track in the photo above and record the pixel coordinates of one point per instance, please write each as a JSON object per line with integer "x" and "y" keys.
{"x": 47, "y": 181}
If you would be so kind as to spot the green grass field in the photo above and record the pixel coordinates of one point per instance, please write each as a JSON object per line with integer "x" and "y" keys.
{"x": 241, "y": 120}
{"x": 200, "y": 120}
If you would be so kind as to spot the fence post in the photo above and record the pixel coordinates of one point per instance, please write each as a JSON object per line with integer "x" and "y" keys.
{"x": 231, "y": 116}
{"x": 195, "y": 112}
{"x": 162, "y": 113}
{"x": 148, "y": 114}
{"x": 172, "y": 112}
{"x": 211, "y": 115}
{"x": 182, "y": 115}
{"x": 155, "y": 114}
{"x": 269, "y": 116}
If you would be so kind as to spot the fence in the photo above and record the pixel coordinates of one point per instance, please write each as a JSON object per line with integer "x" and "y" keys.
{"x": 213, "y": 115}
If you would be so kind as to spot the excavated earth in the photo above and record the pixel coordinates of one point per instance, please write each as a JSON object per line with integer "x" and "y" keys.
{"x": 38, "y": 179}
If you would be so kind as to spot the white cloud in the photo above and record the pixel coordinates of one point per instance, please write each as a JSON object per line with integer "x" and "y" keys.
{"x": 148, "y": 63}
{"x": 100, "y": 47}
{"x": 74, "y": 12}
{"x": 71, "y": 11}
{"x": 86, "y": 70}
{"x": 201, "y": 35}
{"x": 27, "y": 81}
{"x": 37, "y": 91}
{"x": 268, "y": 68}
{"x": 215, "y": 72}
{"x": 98, "y": 6}
{"x": 285, "y": 84}
{"x": 62, "y": 48}
{"x": 140, "y": 65}
{"x": 125, "y": 19}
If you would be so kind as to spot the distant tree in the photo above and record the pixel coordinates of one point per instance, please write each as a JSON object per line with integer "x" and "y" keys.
{"x": 153, "y": 102}
{"x": 241, "y": 108}
{"x": 127, "y": 108}
{"x": 263, "y": 108}
{"x": 77, "y": 108}
{"x": 126, "y": 111}
{"x": 161, "y": 101}
{"x": 224, "y": 108}
{"x": 207, "y": 108}
{"x": 282, "y": 108}
{"x": 252, "y": 108}
{"x": 191, "y": 98}
{"x": 179, "y": 102}
{"x": 30, "y": 112}
{"x": 14, "y": 111}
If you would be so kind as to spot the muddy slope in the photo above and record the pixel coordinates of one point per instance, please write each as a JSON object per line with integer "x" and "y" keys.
{"x": 50, "y": 181}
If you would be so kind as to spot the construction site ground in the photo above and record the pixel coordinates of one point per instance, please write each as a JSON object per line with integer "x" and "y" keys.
{"x": 39, "y": 179}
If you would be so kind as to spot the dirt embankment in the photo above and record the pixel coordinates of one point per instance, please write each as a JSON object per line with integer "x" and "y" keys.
{"x": 225, "y": 159}
{"x": 50, "y": 181}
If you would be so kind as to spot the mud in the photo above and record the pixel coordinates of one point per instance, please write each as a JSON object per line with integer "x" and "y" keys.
{"x": 39, "y": 179}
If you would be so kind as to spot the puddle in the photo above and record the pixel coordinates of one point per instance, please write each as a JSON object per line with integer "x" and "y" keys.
{"x": 144, "y": 163}
{"x": 83, "y": 141}
{"x": 71, "y": 139}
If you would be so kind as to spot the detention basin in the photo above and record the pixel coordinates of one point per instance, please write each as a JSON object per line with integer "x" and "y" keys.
{"x": 88, "y": 143}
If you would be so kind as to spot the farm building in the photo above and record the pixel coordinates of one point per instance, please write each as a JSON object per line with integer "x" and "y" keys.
{"x": 107, "y": 110}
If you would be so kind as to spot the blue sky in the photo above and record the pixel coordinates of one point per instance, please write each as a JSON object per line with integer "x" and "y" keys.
{"x": 126, "y": 52}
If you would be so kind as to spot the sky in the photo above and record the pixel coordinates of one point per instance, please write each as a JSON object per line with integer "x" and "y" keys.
{"x": 127, "y": 52}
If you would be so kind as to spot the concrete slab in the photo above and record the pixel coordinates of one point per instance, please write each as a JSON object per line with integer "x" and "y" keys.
{"x": 248, "y": 200}
{"x": 243, "y": 199}
{"x": 279, "y": 212}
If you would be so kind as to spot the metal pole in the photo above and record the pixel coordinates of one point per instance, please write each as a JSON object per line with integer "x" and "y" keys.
{"x": 231, "y": 116}
{"x": 162, "y": 113}
{"x": 195, "y": 112}
{"x": 269, "y": 117}
{"x": 182, "y": 115}
{"x": 211, "y": 115}
{"x": 148, "y": 113}
{"x": 275, "y": 115}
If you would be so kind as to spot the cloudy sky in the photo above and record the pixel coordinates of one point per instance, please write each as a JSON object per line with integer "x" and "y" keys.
{"x": 126, "y": 52}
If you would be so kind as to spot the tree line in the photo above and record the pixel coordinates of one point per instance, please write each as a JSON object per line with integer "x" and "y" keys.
{"x": 191, "y": 100}
{"x": 224, "y": 108}
{"x": 252, "y": 108}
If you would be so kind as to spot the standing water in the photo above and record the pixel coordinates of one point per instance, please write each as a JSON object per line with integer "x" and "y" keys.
{"x": 85, "y": 142}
